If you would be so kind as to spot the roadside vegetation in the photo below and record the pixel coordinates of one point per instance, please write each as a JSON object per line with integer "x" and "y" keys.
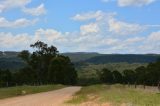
{"x": 116, "y": 95}
{"x": 24, "y": 90}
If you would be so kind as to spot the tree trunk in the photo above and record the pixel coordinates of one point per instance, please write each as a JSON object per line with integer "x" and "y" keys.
{"x": 124, "y": 85}
{"x": 128, "y": 84}
{"x": 135, "y": 85}
{"x": 144, "y": 85}
{"x": 7, "y": 84}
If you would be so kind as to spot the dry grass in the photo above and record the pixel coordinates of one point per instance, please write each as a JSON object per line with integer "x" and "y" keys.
{"x": 24, "y": 90}
{"x": 115, "y": 95}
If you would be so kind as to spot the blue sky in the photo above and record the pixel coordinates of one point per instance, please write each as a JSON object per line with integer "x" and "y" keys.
{"x": 104, "y": 26}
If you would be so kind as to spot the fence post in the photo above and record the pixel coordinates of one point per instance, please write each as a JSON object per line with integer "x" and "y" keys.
{"x": 144, "y": 85}
{"x": 159, "y": 86}
{"x": 128, "y": 84}
{"x": 135, "y": 85}
{"x": 6, "y": 84}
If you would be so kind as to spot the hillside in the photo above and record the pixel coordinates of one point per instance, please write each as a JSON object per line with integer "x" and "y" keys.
{"x": 81, "y": 56}
{"x": 9, "y": 59}
{"x": 116, "y": 58}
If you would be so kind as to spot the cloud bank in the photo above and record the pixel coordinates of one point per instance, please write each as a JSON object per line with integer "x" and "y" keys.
{"x": 103, "y": 33}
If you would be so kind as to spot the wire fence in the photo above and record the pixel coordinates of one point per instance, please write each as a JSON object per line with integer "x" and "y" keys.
{"x": 13, "y": 84}
{"x": 8, "y": 84}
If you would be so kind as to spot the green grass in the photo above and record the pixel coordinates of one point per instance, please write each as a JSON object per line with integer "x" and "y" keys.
{"x": 24, "y": 90}
{"x": 116, "y": 95}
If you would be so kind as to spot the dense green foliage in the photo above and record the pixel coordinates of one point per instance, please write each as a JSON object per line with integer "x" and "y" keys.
{"x": 45, "y": 65}
{"x": 89, "y": 73}
{"x": 61, "y": 70}
{"x": 149, "y": 75}
{"x": 5, "y": 78}
{"x": 106, "y": 76}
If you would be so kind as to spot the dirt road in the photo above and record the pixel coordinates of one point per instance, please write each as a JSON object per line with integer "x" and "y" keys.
{"x": 52, "y": 98}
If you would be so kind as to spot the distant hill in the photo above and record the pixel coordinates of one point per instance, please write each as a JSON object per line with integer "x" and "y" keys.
{"x": 9, "y": 59}
{"x": 8, "y": 54}
{"x": 81, "y": 56}
{"x": 116, "y": 58}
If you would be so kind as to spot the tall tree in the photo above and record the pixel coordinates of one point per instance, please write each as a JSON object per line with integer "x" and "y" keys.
{"x": 25, "y": 56}
{"x": 141, "y": 74}
{"x": 153, "y": 73}
{"x": 117, "y": 77}
{"x": 47, "y": 65}
{"x": 5, "y": 77}
{"x": 129, "y": 76}
{"x": 61, "y": 70}
{"x": 106, "y": 76}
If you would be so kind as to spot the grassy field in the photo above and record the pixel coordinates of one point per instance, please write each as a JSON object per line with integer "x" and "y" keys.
{"x": 24, "y": 90}
{"x": 116, "y": 95}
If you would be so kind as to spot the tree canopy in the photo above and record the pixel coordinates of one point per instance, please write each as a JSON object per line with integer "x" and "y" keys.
{"x": 45, "y": 65}
{"x": 149, "y": 75}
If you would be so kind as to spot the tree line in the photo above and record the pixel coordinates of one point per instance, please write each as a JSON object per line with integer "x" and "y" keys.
{"x": 44, "y": 66}
{"x": 149, "y": 75}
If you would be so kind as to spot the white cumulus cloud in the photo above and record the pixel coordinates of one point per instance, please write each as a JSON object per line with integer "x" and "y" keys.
{"x": 22, "y": 22}
{"x": 105, "y": 35}
{"x": 123, "y": 3}
{"x": 9, "y": 40}
{"x": 9, "y": 4}
{"x": 36, "y": 11}
{"x": 90, "y": 28}
{"x": 22, "y": 4}
{"x": 124, "y": 28}
{"x": 72, "y": 41}
{"x": 87, "y": 16}
{"x": 108, "y": 23}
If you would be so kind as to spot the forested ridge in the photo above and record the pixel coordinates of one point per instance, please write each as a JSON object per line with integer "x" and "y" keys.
{"x": 10, "y": 59}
